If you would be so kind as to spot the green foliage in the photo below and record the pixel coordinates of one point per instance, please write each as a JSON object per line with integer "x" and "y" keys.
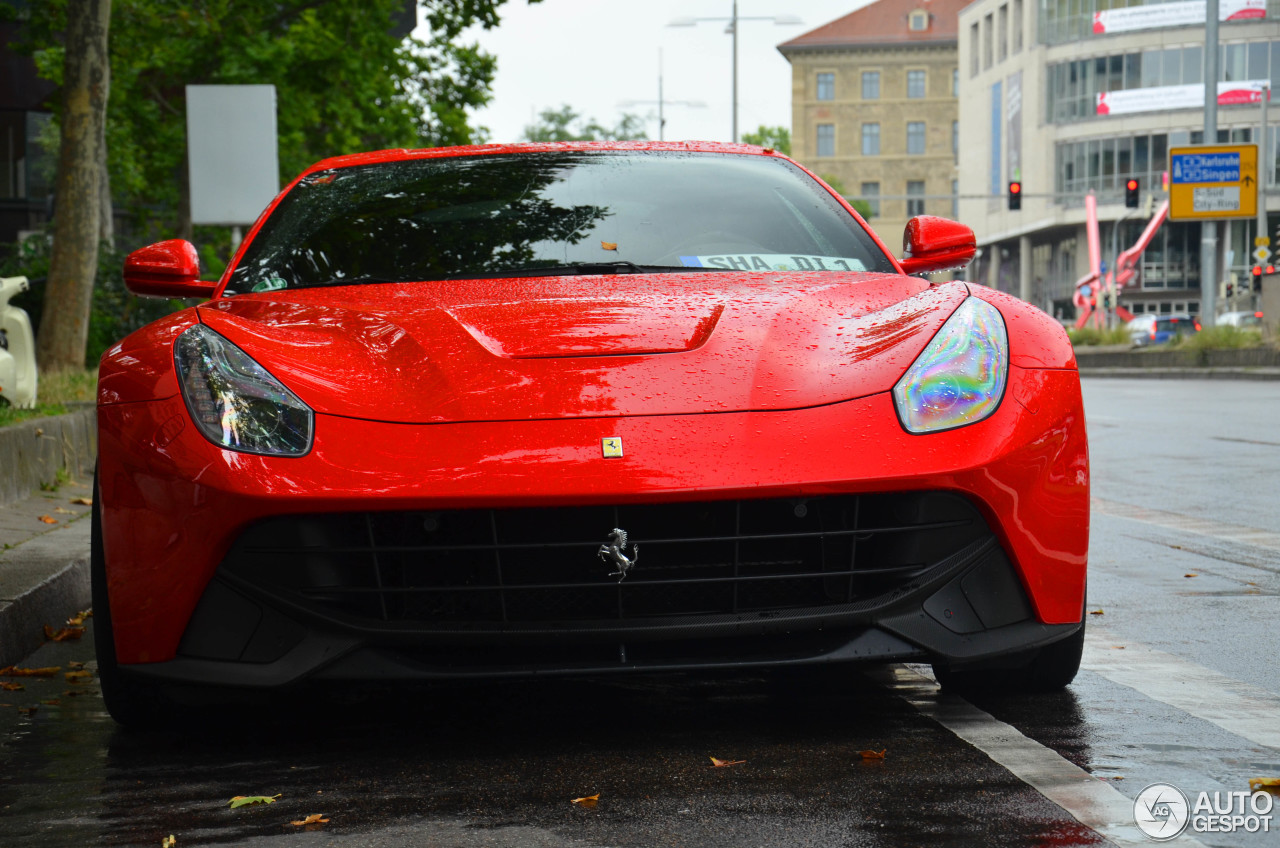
{"x": 779, "y": 138}
{"x": 1093, "y": 336}
{"x": 344, "y": 82}
{"x": 862, "y": 207}
{"x": 1219, "y": 338}
{"x": 565, "y": 124}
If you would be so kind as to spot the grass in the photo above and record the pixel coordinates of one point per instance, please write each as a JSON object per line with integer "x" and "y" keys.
{"x": 53, "y": 393}
{"x": 1094, "y": 336}
{"x": 1219, "y": 338}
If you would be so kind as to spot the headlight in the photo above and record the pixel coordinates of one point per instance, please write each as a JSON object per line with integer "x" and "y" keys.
{"x": 960, "y": 377}
{"x": 235, "y": 402}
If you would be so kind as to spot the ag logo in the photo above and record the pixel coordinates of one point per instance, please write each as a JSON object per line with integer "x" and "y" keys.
{"x": 1161, "y": 811}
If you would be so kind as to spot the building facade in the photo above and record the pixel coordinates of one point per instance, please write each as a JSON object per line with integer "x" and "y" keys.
{"x": 26, "y": 168}
{"x": 874, "y": 105}
{"x": 1076, "y": 96}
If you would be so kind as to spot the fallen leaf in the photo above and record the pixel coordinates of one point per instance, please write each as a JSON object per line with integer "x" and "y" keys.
{"x": 75, "y": 693}
{"x": 75, "y": 664}
{"x": 314, "y": 818}
{"x": 65, "y": 511}
{"x": 722, "y": 763}
{"x": 12, "y": 687}
{"x": 1096, "y": 612}
{"x": 87, "y": 502}
{"x": 1118, "y": 647}
{"x": 873, "y": 755}
{"x": 1265, "y": 784}
{"x": 48, "y": 519}
{"x": 27, "y": 711}
{"x": 78, "y": 676}
{"x": 14, "y": 671}
{"x": 52, "y": 702}
{"x": 250, "y": 800}
{"x": 1114, "y": 777}
{"x": 589, "y": 801}
{"x": 609, "y": 245}
{"x": 63, "y": 635}
{"x": 168, "y": 842}
{"x": 1191, "y": 574}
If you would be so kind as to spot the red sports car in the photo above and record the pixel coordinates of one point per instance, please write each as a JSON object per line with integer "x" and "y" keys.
{"x": 580, "y": 409}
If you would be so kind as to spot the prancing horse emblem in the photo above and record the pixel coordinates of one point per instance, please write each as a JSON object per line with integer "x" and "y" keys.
{"x": 615, "y": 551}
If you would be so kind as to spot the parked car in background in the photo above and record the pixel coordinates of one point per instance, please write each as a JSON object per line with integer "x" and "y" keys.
{"x": 1243, "y": 320}
{"x": 1153, "y": 329}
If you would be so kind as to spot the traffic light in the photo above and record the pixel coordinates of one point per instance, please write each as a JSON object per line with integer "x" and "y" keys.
{"x": 1015, "y": 195}
{"x": 1230, "y": 289}
{"x": 1256, "y": 278}
{"x": 1131, "y": 193}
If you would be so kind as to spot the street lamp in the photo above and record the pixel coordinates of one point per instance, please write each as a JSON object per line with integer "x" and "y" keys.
{"x": 661, "y": 101}
{"x": 732, "y": 29}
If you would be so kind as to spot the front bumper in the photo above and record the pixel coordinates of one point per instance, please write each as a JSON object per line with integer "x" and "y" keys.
{"x": 173, "y": 506}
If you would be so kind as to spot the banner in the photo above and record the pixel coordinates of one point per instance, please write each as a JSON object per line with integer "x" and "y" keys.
{"x": 1165, "y": 98}
{"x": 1190, "y": 13}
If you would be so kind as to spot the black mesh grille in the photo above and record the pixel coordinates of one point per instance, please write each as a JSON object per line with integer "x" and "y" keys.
{"x": 499, "y": 567}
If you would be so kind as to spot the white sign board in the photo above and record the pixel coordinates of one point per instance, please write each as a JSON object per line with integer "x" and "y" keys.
{"x": 1168, "y": 97}
{"x": 232, "y": 157}
{"x": 1161, "y": 15}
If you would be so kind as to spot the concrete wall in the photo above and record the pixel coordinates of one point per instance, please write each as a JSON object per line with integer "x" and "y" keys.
{"x": 32, "y": 452}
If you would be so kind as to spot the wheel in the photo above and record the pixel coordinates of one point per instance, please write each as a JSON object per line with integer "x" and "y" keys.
{"x": 132, "y": 703}
{"x": 1047, "y": 669}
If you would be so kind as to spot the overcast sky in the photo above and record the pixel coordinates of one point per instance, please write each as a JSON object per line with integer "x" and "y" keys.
{"x": 594, "y": 54}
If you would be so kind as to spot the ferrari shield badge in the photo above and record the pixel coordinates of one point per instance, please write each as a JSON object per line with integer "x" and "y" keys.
{"x": 614, "y": 551}
{"x": 612, "y": 446}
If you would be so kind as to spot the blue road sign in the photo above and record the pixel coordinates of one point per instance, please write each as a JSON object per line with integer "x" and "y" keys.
{"x": 1206, "y": 168}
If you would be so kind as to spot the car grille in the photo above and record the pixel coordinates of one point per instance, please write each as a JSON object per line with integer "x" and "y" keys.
{"x": 494, "y": 568}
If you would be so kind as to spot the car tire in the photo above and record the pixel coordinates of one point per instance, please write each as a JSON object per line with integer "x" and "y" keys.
{"x": 1047, "y": 669}
{"x": 132, "y": 703}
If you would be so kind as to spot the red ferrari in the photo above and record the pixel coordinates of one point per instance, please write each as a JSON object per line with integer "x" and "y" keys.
{"x": 586, "y": 408}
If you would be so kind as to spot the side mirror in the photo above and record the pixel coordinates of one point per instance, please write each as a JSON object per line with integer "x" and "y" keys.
{"x": 936, "y": 244}
{"x": 166, "y": 269}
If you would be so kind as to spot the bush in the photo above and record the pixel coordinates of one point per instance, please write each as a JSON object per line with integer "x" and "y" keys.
{"x": 1094, "y": 336}
{"x": 1219, "y": 338}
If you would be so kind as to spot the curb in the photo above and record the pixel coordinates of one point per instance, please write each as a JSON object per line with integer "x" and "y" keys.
{"x": 33, "y": 452}
{"x": 1191, "y": 373}
{"x": 40, "y": 587}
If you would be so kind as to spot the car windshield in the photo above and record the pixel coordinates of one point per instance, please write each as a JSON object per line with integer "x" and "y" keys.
{"x": 1175, "y": 324}
{"x": 552, "y": 212}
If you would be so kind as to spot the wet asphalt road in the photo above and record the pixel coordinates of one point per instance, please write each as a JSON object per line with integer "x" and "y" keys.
{"x": 1180, "y": 685}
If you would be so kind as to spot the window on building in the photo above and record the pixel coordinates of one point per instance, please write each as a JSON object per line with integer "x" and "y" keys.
{"x": 871, "y": 194}
{"x": 870, "y": 139}
{"x": 1002, "y": 32}
{"x": 826, "y": 86}
{"x": 955, "y": 200}
{"x": 973, "y": 50}
{"x": 918, "y": 21}
{"x": 915, "y": 138}
{"x": 955, "y": 82}
{"x": 915, "y": 198}
{"x": 988, "y": 34}
{"x": 826, "y": 140}
{"x": 955, "y": 141}
{"x": 870, "y": 85}
{"x": 915, "y": 84}
{"x": 1017, "y": 26}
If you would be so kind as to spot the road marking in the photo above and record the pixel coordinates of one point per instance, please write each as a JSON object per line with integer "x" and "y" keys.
{"x": 1093, "y": 802}
{"x": 1240, "y": 708}
{"x": 1191, "y": 524}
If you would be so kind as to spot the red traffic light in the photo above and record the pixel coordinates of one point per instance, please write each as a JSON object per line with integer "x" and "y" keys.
{"x": 1271, "y": 269}
{"x": 1257, "y": 270}
{"x": 1132, "y": 185}
{"x": 1015, "y": 188}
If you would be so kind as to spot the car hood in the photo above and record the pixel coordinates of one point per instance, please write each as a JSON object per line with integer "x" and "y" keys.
{"x": 565, "y": 347}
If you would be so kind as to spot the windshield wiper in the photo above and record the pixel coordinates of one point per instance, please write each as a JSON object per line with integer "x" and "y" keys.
{"x": 578, "y": 269}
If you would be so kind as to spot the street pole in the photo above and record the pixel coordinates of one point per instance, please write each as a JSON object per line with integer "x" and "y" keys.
{"x": 1265, "y": 166}
{"x": 1209, "y": 229}
{"x": 733, "y": 24}
{"x": 662, "y": 121}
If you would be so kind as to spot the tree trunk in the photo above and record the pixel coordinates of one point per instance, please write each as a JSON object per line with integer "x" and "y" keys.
{"x": 106, "y": 219}
{"x": 73, "y": 264}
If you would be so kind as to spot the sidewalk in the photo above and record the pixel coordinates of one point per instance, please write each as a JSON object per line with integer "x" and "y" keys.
{"x": 44, "y": 567}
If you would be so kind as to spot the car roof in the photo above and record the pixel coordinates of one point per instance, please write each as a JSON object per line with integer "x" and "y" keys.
{"x": 404, "y": 154}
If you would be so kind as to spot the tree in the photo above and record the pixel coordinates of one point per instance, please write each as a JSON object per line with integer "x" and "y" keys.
{"x": 64, "y": 325}
{"x": 565, "y": 124}
{"x": 778, "y": 138}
